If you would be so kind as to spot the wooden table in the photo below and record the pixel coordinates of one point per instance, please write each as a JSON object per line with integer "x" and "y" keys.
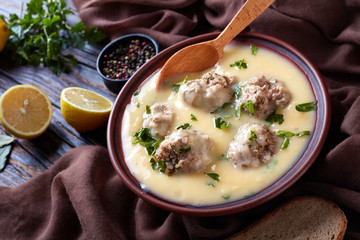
{"x": 29, "y": 158}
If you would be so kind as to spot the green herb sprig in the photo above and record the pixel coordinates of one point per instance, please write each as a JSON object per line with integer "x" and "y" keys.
{"x": 192, "y": 117}
{"x": 286, "y": 136}
{"x": 185, "y": 126}
{"x": 221, "y": 124}
{"x": 176, "y": 86}
{"x": 214, "y": 176}
{"x": 253, "y": 136}
{"x": 254, "y": 49}
{"x": 159, "y": 165}
{"x": 145, "y": 139}
{"x": 240, "y": 64}
{"x": 306, "y": 107}
{"x": 41, "y": 35}
{"x": 5, "y": 148}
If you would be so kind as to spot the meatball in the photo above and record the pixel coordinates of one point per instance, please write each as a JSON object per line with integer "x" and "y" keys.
{"x": 266, "y": 96}
{"x": 160, "y": 119}
{"x": 253, "y": 145}
{"x": 210, "y": 92}
{"x": 187, "y": 151}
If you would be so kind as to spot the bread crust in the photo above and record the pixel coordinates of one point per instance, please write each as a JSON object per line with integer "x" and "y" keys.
{"x": 305, "y": 217}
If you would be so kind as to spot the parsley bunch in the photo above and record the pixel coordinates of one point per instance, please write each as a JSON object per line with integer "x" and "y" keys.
{"x": 39, "y": 36}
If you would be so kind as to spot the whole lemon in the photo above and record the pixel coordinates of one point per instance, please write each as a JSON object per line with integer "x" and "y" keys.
{"x": 4, "y": 34}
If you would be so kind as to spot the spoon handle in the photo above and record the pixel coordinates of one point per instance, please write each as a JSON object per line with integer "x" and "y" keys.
{"x": 249, "y": 11}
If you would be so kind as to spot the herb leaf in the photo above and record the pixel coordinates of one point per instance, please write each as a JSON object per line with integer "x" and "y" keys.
{"x": 303, "y": 133}
{"x": 192, "y": 117}
{"x": 176, "y": 86}
{"x": 160, "y": 165}
{"x": 285, "y": 143}
{"x": 240, "y": 64}
{"x": 221, "y": 124}
{"x": 184, "y": 149}
{"x": 226, "y": 197}
{"x": 238, "y": 92}
{"x": 253, "y": 135}
{"x": 214, "y": 176}
{"x": 137, "y": 92}
{"x": 275, "y": 117}
{"x": 219, "y": 109}
{"x": 223, "y": 157}
{"x": 145, "y": 139}
{"x": 5, "y": 148}
{"x": 282, "y": 133}
{"x": 238, "y": 112}
{"x": 40, "y": 36}
{"x": 184, "y": 126}
{"x": 306, "y": 107}
{"x": 148, "y": 110}
{"x": 249, "y": 105}
{"x": 253, "y": 49}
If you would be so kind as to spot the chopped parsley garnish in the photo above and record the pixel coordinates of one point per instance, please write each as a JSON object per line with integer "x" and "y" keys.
{"x": 240, "y": 64}
{"x": 184, "y": 126}
{"x": 223, "y": 157}
{"x": 211, "y": 184}
{"x": 145, "y": 139}
{"x": 303, "y": 133}
{"x": 282, "y": 133}
{"x": 238, "y": 92}
{"x": 275, "y": 117}
{"x": 226, "y": 197}
{"x": 306, "y": 107}
{"x": 176, "y": 86}
{"x": 285, "y": 143}
{"x": 272, "y": 164}
{"x": 137, "y": 105}
{"x": 148, "y": 110}
{"x": 160, "y": 165}
{"x": 253, "y": 135}
{"x": 250, "y": 107}
{"x": 214, "y": 176}
{"x": 254, "y": 49}
{"x": 238, "y": 112}
{"x": 221, "y": 124}
{"x": 137, "y": 92}
{"x": 249, "y": 195}
{"x": 184, "y": 149}
{"x": 286, "y": 136}
{"x": 219, "y": 109}
{"x": 193, "y": 118}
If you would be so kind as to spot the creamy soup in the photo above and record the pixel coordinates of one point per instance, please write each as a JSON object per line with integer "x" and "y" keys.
{"x": 232, "y": 183}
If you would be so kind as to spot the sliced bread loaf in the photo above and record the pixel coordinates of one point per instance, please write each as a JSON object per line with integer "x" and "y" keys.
{"x": 305, "y": 217}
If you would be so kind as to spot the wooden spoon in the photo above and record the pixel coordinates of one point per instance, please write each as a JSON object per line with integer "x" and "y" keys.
{"x": 200, "y": 56}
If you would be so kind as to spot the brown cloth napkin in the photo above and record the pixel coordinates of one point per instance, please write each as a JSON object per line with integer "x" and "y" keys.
{"x": 81, "y": 197}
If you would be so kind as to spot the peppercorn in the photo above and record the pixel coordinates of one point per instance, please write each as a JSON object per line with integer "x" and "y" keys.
{"x": 125, "y": 59}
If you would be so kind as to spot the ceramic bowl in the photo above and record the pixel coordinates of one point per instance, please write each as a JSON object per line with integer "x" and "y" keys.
{"x": 299, "y": 167}
{"x": 115, "y": 85}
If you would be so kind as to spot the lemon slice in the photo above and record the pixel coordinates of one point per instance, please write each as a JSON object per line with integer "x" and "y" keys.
{"x": 25, "y": 111}
{"x": 83, "y": 109}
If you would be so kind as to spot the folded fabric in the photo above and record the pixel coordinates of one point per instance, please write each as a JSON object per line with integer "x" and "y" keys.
{"x": 81, "y": 197}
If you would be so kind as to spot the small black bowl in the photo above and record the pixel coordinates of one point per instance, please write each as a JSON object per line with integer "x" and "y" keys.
{"x": 115, "y": 84}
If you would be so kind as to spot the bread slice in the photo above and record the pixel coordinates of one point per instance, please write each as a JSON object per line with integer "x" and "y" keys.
{"x": 305, "y": 217}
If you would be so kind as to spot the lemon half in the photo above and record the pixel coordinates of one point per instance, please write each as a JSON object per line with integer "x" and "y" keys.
{"x": 83, "y": 109}
{"x": 25, "y": 111}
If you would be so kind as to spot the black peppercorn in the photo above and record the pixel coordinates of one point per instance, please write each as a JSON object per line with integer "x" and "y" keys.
{"x": 124, "y": 60}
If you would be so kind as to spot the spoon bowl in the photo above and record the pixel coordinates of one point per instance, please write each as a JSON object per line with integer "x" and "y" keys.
{"x": 200, "y": 56}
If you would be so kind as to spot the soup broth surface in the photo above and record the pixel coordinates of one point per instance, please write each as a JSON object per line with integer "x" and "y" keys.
{"x": 234, "y": 183}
